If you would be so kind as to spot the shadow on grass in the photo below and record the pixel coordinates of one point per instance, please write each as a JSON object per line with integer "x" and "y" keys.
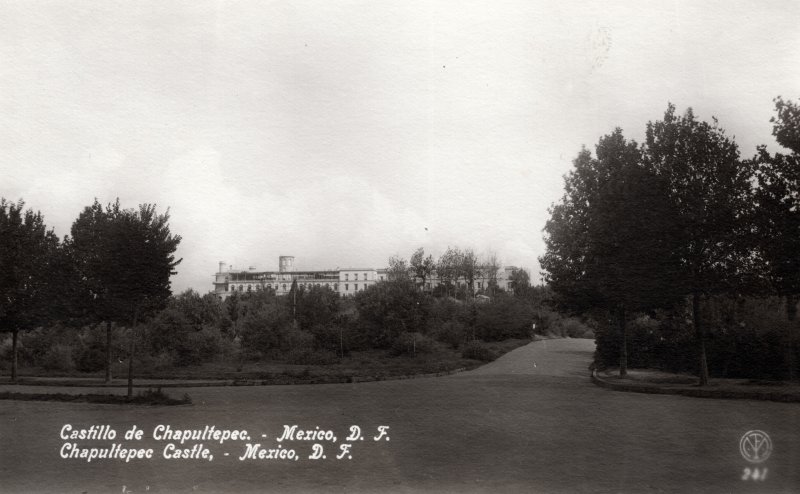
{"x": 148, "y": 397}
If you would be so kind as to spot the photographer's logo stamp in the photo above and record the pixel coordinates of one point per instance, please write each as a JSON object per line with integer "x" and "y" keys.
{"x": 755, "y": 446}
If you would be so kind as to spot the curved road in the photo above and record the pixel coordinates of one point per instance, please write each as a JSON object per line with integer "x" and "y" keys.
{"x": 528, "y": 422}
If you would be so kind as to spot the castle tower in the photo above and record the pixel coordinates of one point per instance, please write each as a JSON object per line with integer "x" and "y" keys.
{"x": 286, "y": 264}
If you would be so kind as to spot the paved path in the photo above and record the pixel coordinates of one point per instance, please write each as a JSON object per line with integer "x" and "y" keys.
{"x": 529, "y": 422}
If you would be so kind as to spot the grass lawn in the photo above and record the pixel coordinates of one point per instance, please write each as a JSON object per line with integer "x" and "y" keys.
{"x": 360, "y": 365}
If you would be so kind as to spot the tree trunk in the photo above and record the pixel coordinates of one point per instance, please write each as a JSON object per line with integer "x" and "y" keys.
{"x": 14, "y": 337}
{"x": 108, "y": 352}
{"x": 130, "y": 356}
{"x": 623, "y": 349}
{"x": 791, "y": 315}
{"x": 701, "y": 339}
{"x": 791, "y": 307}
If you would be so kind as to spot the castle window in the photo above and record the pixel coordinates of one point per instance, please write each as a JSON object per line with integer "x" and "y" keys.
{"x": 355, "y": 277}
{"x": 346, "y": 277}
{"x": 355, "y": 287}
{"x": 346, "y": 287}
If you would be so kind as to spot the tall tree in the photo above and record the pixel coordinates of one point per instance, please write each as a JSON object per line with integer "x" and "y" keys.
{"x": 609, "y": 240}
{"x": 387, "y": 309}
{"x": 786, "y": 124}
{"x": 448, "y": 268}
{"x": 520, "y": 281}
{"x": 398, "y": 268}
{"x": 469, "y": 269}
{"x": 631, "y": 232}
{"x": 89, "y": 248}
{"x": 422, "y": 267}
{"x": 777, "y": 200}
{"x": 567, "y": 253}
{"x": 710, "y": 190}
{"x": 28, "y": 255}
{"x": 777, "y": 213}
{"x": 490, "y": 266}
{"x": 125, "y": 257}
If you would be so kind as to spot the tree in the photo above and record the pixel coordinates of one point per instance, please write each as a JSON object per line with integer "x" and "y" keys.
{"x": 520, "y": 281}
{"x": 777, "y": 212}
{"x": 89, "y": 246}
{"x": 125, "y": 258}
{"x": 469, "y": 269}
{"x": 786, "y": 128}
{"x": 567, "y": 255}
{"x": 398, "y": 268}
{"x": 235, "y": 310}
{"x": 316, "y": 306}
{"x": 448, "y": 268}
{"x": 634, "y": 265}
{"x": 608, "y": 241}
{"x": 199, "y": 309}
{"x": 422, "y": 267}
{"x": 709, "y": 189}
{"x": 777, "y": 201}
{"x": 28, "y": 253}
{"x": 490, "y": 266}
{"x": 390, "y": 308}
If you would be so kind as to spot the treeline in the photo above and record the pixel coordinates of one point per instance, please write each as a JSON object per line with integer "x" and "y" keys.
{"x": 100, "y": 299}
{"x": 113, "y": 269}
{"x": 679, "y": 248}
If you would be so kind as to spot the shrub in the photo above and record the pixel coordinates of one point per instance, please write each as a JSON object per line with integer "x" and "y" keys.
{"x": 504, "y": 317}
{"x": 571, "y": 327}
{"x": 59, "y": 358}
{"x": 295, "y": 339}
{"x": 308, "y": 356}
{"x": 477, "y": 350}
{"x": 90, "y": 359}
{"x": 411, "y": 344}
{"x": 452, "y": 333}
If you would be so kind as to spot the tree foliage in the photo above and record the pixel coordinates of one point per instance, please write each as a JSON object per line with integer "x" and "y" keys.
{"x": 777, "y": 206}
{"x": 29, "y": 284}
{"x": 422, "y": 267}
{"x": 710, "y": 191}
{"x": 125, "y": 258}
{"x": 389, "y": 308}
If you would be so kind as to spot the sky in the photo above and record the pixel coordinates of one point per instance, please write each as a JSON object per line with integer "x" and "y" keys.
{"x": 343, "y": 132}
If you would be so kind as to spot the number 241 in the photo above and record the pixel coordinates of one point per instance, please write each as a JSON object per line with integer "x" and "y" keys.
{"x": 754, "y": 474}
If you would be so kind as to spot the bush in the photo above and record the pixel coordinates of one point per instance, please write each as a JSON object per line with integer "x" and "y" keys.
{"x": 745, "y": 338}
{"x": 452, "y": 333}
{"x": 295, "y": 339}
{"x": 411, "y": 344}
{"x": 58, "y": 358}
{"x": 90, "y": 359}
{"x": 477, "y": 350}
{"x": 503, "y": 317}
{"x": 308, "y": 356}
{"x": 571, "y": 327}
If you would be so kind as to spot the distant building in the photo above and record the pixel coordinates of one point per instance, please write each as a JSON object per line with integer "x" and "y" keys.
{"x": 345, "y": 282}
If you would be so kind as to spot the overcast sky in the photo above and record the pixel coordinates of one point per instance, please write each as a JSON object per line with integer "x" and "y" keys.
{"x": 346, "y": 132}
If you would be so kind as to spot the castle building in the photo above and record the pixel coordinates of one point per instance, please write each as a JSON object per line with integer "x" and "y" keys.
{"x": 345, "y": 282}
